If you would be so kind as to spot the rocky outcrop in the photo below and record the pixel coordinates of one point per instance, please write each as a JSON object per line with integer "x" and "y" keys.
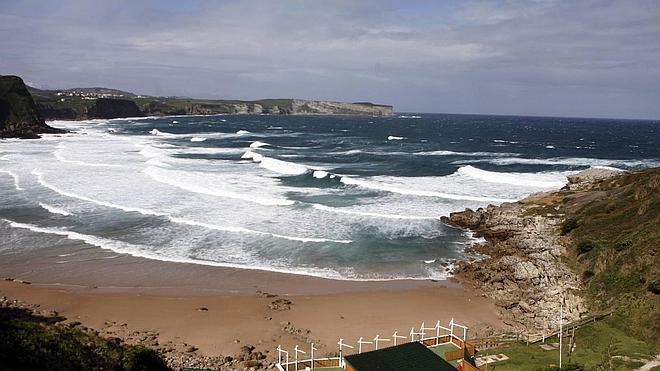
{"x": 316, "y": 107}
{"x": 18, "y": 113}
{"x": 522, "y": 269}
{"x": 109, "y": 108}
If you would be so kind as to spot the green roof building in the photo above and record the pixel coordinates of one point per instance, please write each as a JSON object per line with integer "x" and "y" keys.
{"x": 408, "y": 356}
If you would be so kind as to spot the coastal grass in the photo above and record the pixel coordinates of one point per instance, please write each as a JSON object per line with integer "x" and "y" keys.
{"x": 615, "y": 245}
{"x": 32, "y": 342}
{"x": 598, "y": 346}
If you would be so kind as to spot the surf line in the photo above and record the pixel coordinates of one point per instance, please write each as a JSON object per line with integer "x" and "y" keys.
{"x": 17, "y": 184}
{"x": 173, "y": 219}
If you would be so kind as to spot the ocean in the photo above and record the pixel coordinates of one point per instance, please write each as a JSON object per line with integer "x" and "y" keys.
{"x": 354, "y": 198}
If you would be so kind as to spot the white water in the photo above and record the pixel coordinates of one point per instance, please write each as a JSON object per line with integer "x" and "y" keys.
{"x": 238, "y": 208}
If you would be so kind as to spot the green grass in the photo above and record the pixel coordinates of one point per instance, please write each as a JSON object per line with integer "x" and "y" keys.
{"x": 29, "y": 342}
{"x": 598, "y": 347}
{"x": 615, "y": 248}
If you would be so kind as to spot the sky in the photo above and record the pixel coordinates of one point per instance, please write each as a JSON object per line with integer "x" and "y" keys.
{"x": 542, "y": 57}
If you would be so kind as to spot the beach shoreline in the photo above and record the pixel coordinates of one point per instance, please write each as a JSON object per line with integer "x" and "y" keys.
{"x": 216, "y": 310}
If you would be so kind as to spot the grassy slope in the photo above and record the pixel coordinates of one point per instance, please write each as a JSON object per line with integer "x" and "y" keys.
{"x": 599, "y": 346}
{"x": 29, "y": 342}
{"x": 613, "y": 240}
{"x": 616, "y": 247}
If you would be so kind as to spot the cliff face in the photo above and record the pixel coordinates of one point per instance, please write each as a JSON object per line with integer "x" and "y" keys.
{"x": 268, "y": 107}
{"x": 92, "y": 103}
{"x": 315, "y": 107}
{"x": 524, "y": 269}
{"x": 106, "y": 108}
{"x": 18, "y": 113}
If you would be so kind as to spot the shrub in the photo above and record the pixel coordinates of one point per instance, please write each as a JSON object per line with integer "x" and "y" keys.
{"x": 140, "y": 358}
{"x": 586, "y": 275}
{"x": 622, "y": 245}
{"x": 585, "y": 246}
{"x": 568, "y": 225}
{"x": 654, "y": 287}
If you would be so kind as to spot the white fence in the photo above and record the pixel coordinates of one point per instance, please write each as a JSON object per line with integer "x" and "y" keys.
{"x": 454, "y": 333}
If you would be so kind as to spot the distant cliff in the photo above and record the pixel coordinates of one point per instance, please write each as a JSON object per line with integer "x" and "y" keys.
{"x": 317, "y": 107}
{"x": 82, "y": 103}
{"x": 18, "y": 114}
{"x": 108, "y": 108}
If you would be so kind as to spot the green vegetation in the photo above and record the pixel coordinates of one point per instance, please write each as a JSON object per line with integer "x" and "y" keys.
{"x": 616, "y": 248}
{"x": 18, "y": 113}
{"x": 598, "y": 346}
{"x": 29, "y": 342}
{"x": 568, "y": 225}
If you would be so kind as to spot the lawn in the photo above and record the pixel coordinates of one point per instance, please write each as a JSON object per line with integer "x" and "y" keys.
{"x": 598, "y": 346}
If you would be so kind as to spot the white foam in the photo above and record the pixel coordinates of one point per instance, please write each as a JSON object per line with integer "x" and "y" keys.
{"x": 243, "y": 132}
{"x": 570, "y": 161}
{"x": 175, "y": 122}
{"x": 143, "y": 252}
{"x": 275, "y": 165}
{"x": 41, "y": 181}
{"x": 392, "y": 137}
{"x": 14, "y": 176}
{"x": 416, "y": 192}
{"x": 58, "y": 155}
{"x": 550, "y": 147}
{"x": 249, "y": 231}
{"x": 343, "y": 210}
{"x": 197, "y": 139}
{"x": 469, "y": 154}
{"x": 320, "y": 174}
{"x": 258, "y": 144}
{"x": 542, "y": 180}
{"x": 504, "y": 141}
{"x": 430, "y": 261}
{"x": 54, "y": 209}
{"x": 159, "y": 133}
{"x": 196, "y": 182}
{"x": 252, "y": 156}
{"x": 104, "y": 243}
{"x": 183, "y": 220}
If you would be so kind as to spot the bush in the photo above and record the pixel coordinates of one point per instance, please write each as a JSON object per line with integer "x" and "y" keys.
{"x": 654, "y": 287}
{"x": 585, "y": 246}
{"x": 586, "y": 275}
{"x": 140, "y": 358}
{"x": 622, "y": 245}
{"x": 568, "y": 225}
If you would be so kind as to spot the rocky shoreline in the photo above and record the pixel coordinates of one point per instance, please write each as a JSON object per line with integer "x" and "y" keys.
{"x": 523, "y": 271}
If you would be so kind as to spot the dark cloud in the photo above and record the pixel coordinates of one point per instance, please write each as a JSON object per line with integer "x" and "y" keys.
{"x": 583, "y": 58}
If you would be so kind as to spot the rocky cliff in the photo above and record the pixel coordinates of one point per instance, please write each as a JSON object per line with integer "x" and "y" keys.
{"x": 315, "y": 107}
{"x": 109, "y": 108}
{"x": 524, "y": 267}
{"x": 107, "y": 103}
{"x": 18, "y": 113}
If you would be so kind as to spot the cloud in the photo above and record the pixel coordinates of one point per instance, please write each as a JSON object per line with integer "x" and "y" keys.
{"x": 588, "y": 58}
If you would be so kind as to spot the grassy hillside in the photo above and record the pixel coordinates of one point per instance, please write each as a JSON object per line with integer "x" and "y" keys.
{"x": 31, "y": 342}
{"x": 614, "y": 237}
{"x": 598, "y": 346}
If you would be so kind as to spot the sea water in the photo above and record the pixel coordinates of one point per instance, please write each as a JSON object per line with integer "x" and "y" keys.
{"x": 338, "y": 197}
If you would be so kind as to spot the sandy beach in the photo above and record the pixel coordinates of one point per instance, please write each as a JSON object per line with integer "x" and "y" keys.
{"x": 218, "y": 310}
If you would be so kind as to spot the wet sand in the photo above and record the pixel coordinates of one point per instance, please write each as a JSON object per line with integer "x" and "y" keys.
{"x": 97, "y": 287}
